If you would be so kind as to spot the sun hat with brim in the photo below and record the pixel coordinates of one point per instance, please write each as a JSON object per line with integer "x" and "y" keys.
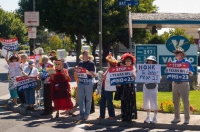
{"x": 31, "y": 62}
{"x": 179, "y": 50}
{"x": 91, "y": 57}
{"x": 53, "y": 51}
{"x": 153, "y": 58}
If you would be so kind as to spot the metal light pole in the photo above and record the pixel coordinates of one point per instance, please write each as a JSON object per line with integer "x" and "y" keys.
{"x": 199, "y": 37}
{"x": 36, "y": 29}
{"x": 100, "y": 35}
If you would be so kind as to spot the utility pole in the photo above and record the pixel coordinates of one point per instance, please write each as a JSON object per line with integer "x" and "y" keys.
{"x": 100, "y": 35}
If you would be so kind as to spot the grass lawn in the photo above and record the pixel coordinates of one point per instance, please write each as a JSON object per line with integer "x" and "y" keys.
{"x": 167, "y": 97}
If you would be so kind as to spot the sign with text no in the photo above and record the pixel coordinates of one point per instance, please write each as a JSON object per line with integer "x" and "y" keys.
{"x": 121, "y": 75}
{"x": 31, "y": 18}
{"x": 178, "y": 72}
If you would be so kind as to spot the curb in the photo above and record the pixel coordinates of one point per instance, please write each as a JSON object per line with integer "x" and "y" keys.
{"x": 106, "y": 122}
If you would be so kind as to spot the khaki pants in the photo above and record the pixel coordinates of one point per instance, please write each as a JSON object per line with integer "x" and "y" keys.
{"x": 181, "y": 91}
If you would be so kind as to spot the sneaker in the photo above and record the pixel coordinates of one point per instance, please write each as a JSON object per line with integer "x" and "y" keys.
{"x": 80, "y": 118}
{"x": 154, "y": 120}
{"x": 175, "y": 120}
{"x": 147, "y": 120}
{"x": 186, "y": 121}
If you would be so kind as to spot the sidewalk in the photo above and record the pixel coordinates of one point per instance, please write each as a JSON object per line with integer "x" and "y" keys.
{"x": 164, "y": 120}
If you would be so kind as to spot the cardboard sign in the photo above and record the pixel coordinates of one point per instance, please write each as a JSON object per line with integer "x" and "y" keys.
{"x": 148, "y": 73}
{"x": 4, "y": 53}
{"x": 82, "y": 75}
{"x": 121, "y": 75}
{"x": 61, "y": 53}
{"x": 14, "y": 69}
{"x": 178, "y": 72}
{"x": 25, "y": 83}
{"x": 9, "y": 44}
{"x": 100, "y": 81}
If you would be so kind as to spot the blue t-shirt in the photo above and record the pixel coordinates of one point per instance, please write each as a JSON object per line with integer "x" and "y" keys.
{"x": 89, "y": 65}
{"x": 186, "y": 61}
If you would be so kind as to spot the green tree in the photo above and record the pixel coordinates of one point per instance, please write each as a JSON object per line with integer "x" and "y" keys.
{"x": 55, "y": 42}
{"x": 12, "y": 26}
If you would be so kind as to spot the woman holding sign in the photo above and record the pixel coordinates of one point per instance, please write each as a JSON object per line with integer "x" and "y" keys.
{"x": 86, "y": 84}
{"x": 30, "y": 71}
{"x": 14, "y": 70}
{"x": 181, "y": 89}
{"x": 60, "y": 88}
{"x": 107, "y": 91}
{"x": 128, "y": 97}
{"x": 150, "y": 91}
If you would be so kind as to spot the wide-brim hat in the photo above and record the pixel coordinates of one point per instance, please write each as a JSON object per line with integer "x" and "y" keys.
{"x": 111, "y": 60}
{"x": 180, "y": 50}
{"x": 153, "y": 58}
{"x": 91, "y": 57}
{"x": 53, "y": 51}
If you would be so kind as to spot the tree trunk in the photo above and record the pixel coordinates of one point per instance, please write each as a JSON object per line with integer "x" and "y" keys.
{"x": 78, "y": 48}
{"x": 94, "y": 52}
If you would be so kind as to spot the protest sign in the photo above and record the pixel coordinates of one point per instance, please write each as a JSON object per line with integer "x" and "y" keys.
{"x": 100, "y": 80}
{"x": 25, "y": 83}
{"x": 61, "y": 53}
{"x": 148, "y": 73}
{"x": 178, "y": 72}
{"x": 9, "y": 44}
{"x": 82, "y": 75}
{"x": 14, "y": 69}
{"x": 32, "y": 58}
{"x": 121, "y": 75}
{"x": 4, "y": 53}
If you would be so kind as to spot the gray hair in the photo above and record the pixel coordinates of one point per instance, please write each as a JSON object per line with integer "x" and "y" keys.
{"x": 44, "y": 57}
{"x": 24, "y": 56}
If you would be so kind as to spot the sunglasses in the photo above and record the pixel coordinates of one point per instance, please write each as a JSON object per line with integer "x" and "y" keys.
{"x": 57, "y": 64}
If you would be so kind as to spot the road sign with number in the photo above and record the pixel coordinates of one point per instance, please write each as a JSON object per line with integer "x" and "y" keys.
{"x": 128, "y": 2}
{"x": 31, "y": 18}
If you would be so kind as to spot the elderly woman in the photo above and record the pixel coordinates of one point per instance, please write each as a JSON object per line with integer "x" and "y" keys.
{"x": 14, "y": 70}
{"x": 23, "y": 64}
{"x": 31, "y": 71}
{"x": 46, "y": 86}
{"x": 60, "y": 88}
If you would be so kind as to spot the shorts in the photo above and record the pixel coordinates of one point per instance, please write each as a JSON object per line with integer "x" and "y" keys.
{"x": 13, "y": 93}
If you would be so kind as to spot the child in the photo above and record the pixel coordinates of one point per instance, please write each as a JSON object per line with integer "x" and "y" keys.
{"x": 150, "y": 92}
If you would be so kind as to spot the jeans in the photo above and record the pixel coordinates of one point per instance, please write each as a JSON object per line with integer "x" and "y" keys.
{"x": 106, "y": 96}
{"x": 30, "y": 96}
{"x": 85, "y": 91}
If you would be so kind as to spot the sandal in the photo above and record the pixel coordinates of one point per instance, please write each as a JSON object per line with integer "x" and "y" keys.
{"x": 72, "y": 114}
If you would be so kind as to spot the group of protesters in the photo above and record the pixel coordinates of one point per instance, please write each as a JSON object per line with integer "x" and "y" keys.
{"x": 56, "y": 87}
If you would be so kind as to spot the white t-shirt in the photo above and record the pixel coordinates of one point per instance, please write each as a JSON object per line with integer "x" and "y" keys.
{"x": 23, "y": 65}
{"x": 33, "y": 73}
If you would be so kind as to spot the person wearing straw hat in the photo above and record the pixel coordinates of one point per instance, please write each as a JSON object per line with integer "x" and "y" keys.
{"x": 85, "y": 88}
{"x": 181, "y": 89}
{"x": 150, "y": 93}
{"x": 107, "y": 91}
{"x": 53, "y": 56}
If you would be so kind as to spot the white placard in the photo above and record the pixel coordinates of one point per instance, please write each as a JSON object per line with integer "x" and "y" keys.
{"x": 61, "y": 53}
{"x": 148, "y": 73}
{"x": 4, "y": 53}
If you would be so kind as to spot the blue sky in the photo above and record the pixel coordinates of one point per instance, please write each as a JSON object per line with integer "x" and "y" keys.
{"x": 166, "y": 6}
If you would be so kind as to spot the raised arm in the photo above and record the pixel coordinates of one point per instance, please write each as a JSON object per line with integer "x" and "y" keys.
{"x": 6, "y": 58}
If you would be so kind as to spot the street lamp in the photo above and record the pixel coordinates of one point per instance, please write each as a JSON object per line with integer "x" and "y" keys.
{"x": 100, "y": 35}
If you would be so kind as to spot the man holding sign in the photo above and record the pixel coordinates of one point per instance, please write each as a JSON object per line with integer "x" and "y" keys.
{"x": 179, "y": 72}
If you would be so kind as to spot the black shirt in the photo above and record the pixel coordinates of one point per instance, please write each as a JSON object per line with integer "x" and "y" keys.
{"x": 89, "y": 65}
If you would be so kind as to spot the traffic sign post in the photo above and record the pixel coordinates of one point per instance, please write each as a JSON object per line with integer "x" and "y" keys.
{"x": 31, "y": 19}
{"x": 32, "y": 32}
